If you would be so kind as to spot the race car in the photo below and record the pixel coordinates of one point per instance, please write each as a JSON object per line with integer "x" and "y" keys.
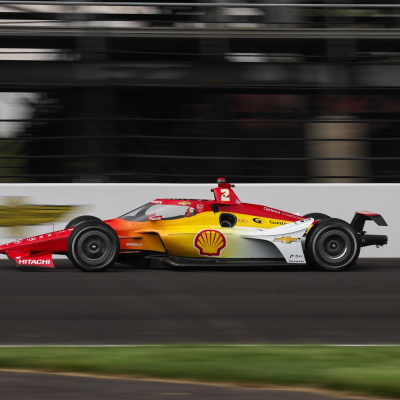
{"x": 194, "y": 232}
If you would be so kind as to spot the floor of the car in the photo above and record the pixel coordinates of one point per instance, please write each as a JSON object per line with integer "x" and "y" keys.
{"x": 220, "y": 262}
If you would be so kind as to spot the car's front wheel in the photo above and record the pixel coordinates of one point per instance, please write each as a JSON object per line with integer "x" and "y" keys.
{"x": 332, "y": 245}
{"x": 93, "y": 246}
{"x": 82, "y": 218}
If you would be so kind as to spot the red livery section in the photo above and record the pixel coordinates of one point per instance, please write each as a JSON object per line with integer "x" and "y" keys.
{"x": 366, "y": 213}
{"x": 224, "y": 193}
{"x": 37, "y": 251}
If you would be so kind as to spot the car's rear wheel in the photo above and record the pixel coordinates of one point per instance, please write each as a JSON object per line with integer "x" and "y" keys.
{"x": 332, "y": 245}
{"x": 78, "y": 220}
{"x": 93, "y": 246}
{"x": 316, "y": 216}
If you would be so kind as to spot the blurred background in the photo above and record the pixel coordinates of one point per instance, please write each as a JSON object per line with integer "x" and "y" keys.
{"x": 266, "y": 92}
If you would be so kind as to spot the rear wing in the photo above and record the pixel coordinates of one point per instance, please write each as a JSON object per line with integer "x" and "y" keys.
{"x": 361, "y": 216}
{"x": 224, "y": 193}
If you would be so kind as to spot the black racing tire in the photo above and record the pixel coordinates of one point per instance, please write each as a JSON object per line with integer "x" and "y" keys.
{"x": 332, "y": 245}
{"x": 316, "y": 216}
{"x": 93, "y": 246}
{"x": 78, "y": 220}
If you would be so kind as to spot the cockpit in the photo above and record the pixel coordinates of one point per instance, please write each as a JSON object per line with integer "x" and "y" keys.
{"x": 159, "y": 212}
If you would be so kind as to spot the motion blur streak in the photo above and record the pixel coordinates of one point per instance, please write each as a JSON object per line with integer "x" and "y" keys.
{"x": 133, "y": 306}
{"x": 173, "y": 92}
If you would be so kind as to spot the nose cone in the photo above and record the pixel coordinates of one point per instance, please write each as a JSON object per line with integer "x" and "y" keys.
{"x": 53, "y": 241}
{"x": 8, "y": 247}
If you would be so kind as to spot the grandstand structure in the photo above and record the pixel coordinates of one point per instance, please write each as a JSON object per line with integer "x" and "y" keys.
{"x": 257, "y": 91}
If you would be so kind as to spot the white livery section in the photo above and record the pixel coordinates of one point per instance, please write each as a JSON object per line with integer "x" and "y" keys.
{"x": 286, "y": 239}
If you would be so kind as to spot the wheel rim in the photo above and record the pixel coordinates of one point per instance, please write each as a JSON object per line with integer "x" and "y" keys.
{"x": 94, "y": 247}
{"x": 334, "y": 246}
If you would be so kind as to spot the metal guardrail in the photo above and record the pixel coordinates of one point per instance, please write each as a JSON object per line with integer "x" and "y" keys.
{"x": 155, "y": 13}
{"x": 193, "y": 155}
{"x": 199, "y": 4}
{"x": 44, "y": 22}
{"x": 140, "y": 157}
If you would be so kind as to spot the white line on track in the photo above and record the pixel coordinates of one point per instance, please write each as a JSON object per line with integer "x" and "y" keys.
{"x": 199, "y": 345}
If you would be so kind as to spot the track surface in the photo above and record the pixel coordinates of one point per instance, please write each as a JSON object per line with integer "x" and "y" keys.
{"x": 271, "y": 305}
{"x": 24, "y": 386}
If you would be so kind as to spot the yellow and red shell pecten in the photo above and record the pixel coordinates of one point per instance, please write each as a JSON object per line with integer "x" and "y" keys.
{"x": 210, "y": 242}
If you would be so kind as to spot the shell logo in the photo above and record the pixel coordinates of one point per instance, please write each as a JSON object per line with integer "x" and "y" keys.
{"x": 210, "y": 242}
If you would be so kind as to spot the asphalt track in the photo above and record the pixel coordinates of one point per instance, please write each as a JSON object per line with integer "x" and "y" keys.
{"x": 140, "y": 306}
{"x": 27, "y": 386}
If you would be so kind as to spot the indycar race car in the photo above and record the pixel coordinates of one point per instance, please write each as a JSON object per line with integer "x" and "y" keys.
{"x": 186, "y": 232}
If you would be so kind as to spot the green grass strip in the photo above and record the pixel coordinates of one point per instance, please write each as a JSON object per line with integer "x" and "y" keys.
{"x": 371, "y": 370}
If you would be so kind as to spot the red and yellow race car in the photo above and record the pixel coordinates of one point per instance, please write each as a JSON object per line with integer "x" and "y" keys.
{"x": 186, "y": 232}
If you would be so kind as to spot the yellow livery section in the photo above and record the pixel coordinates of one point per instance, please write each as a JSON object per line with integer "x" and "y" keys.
{"x": 216, "y": 242}
{"x": 186, "y": 237}
{"x": 258, "y": 222}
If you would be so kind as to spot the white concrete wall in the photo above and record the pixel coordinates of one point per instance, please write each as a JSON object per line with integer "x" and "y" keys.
{"x": 111, "y": 200}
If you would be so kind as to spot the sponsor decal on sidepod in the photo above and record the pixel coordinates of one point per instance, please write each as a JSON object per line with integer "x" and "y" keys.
{"x": 286, "y": 239}
{"x": 210, "y": 242}
{"x": 277, "y": 222}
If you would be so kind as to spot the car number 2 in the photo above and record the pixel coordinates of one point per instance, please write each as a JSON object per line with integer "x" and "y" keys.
{"x": 225, "y": 195}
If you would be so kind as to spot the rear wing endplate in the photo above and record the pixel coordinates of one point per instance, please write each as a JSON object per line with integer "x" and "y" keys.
{"x": 361, "y": 216}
